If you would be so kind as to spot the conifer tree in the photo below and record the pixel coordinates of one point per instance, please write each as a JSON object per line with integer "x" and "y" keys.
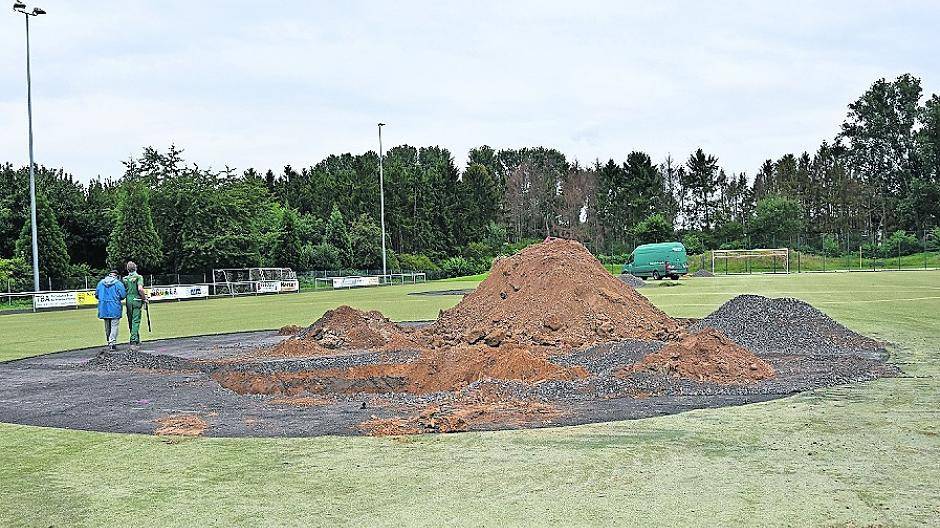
{"x": 134, "y": 236}
{"x": 53, "y": 253}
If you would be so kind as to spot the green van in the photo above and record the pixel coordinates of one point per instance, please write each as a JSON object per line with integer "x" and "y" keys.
{"x": 667, "y": 259}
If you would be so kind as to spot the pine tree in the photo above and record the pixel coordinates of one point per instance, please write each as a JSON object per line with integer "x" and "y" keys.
{"x": 53, "y": 253}
{"x": 134, "y": 236}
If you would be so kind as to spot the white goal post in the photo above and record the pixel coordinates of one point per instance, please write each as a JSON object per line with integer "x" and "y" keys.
{"x": 724, "y": 254}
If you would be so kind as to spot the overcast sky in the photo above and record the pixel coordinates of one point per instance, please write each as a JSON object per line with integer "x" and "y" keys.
{"x": 264, "y": 84}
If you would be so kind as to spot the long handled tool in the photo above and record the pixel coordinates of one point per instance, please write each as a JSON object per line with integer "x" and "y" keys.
{"x": 147, "y": 311}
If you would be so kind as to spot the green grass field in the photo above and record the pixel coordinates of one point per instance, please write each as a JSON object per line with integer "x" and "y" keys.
{"x": 860, "y": 455}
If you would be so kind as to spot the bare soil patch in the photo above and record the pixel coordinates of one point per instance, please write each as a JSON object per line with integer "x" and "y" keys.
{"x": 180, "y": 425}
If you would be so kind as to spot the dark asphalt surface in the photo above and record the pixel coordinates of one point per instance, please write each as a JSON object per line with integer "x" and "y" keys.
{"x": 128, "y": 392}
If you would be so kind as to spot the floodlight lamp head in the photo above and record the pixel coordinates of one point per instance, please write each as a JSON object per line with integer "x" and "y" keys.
{"x": 19, "y": 6}
{"x": 38, "y": 11}
{"x": 381, "y": 124}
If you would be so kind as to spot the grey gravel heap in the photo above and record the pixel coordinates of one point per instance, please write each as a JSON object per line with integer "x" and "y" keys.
{"x": 786, "y": 325}
{"x": 703, "y": 273}
{"x": 632, "y": 281}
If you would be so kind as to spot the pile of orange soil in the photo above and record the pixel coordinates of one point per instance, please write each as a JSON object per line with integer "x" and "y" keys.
{"x": 444, "y": 369}
{"x": 475, "y": 410}
{"x": 180, "y": 425}
{"x": 706, "y": 356}
{"x": 554, "y": 294}
{"x": 346, "y": 328}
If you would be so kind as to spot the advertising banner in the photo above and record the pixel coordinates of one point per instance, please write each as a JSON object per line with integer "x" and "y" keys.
{"x": 354, "y": 282}
{"x": 268, "y": 286}
{"x": 169, "y": 293}
{"x": 162, "y": 293}
{"x": 290, "y": 285}
{"x": 192, "y": 292}
{"x": 86, "y": 298}
{"x": 55, "y": 300}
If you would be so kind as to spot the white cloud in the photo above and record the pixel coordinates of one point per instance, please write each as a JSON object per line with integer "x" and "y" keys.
{"x": 267, "y": 84}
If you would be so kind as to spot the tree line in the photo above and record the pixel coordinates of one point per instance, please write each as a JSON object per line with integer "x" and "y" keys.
{"x": 880, "y": 175}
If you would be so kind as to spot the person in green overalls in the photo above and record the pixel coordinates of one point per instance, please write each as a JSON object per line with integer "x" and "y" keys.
{"x": 136, "y": 297}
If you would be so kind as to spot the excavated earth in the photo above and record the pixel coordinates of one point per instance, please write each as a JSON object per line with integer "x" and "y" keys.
{"x": 549, "y": 338}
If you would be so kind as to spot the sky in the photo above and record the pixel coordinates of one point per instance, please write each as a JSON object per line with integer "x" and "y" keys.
{"x": 265, "y": 84}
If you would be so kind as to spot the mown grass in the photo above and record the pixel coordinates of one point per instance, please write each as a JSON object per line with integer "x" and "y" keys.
{"x": 858, "y": 455}
{"x": 806, "y": 262}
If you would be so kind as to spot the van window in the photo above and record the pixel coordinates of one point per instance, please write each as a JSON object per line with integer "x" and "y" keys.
{"x": 630, "y": 259}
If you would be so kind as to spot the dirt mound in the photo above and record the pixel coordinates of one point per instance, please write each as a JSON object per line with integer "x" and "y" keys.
{"x": 288, "y": 330}
{"x": 346, "y": 328}
{"x": 703, "y": 273}
{"x": 784, "y": 325}
{"x": 707, "y": 356}
{"x": 631, "y": 280}
{"x": 445, "y": 369}
{"x": 455, "y": 367}
{"x": 554, "y": 293}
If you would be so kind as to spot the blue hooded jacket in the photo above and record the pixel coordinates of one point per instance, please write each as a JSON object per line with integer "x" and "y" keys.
{"x": 109, "y": 292}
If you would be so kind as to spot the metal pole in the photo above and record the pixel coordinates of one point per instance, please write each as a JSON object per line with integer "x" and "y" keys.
{"x": 32, "y": 174}
{"x": 382, "y": 199}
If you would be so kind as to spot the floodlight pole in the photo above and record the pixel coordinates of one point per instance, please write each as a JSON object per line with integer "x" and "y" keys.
{"x": 382, "y": 201}
{"x": 21, "y": 8}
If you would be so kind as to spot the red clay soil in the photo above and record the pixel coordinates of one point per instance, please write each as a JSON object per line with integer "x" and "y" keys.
{"x": 449, "y": 368}
{"x": 554, "y": 293}
{"x": 346, "y": 328}
{"x": 180, "y": 425}
{"x": 478, "y": 409}
{"x": 706, "y": 356}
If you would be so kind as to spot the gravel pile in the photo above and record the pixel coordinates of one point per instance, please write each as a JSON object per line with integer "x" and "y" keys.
{"x": 703, "y": 273}
{"x": 602, "y": 360}
{"x": 631, "y": 280}
{"x": 786, "y": 325}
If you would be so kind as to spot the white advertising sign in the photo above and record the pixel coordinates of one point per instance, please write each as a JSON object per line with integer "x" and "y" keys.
{"x": 290, "y": 285}
{"x": 353, "y": 282}
{"x": 169, "y": 293}
{"x": 269, "y": 287}
{"x": 162, "y": 293}
{"x": 192, "y": 292}
{"x": 55, "y": 300}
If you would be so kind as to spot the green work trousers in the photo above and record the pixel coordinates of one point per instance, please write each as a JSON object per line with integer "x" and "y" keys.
{"x": 134, "y": 309}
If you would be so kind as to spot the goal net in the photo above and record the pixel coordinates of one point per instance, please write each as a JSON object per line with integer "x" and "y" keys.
{"x": 751, "y": 260}
{"x": 245, "y": 281}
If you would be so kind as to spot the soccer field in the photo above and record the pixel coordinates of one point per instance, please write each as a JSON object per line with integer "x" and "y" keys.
{"x": 866, "y": 454}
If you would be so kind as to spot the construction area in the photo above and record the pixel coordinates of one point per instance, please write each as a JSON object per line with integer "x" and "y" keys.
{"x": 549, "y": 338}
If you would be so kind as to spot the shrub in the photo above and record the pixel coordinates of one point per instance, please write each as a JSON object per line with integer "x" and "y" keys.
{"x": 419, "y": 262}
{"x": 459, "y": 267}
{"x": 15, "y": 274}
{"x": 693, "y": 244}
{"x": 478, "y": 251}
{"x": 654, "y": 228}
{"x": 830, "y": 246}
{"x": 617, "y": 259}
{"x": 324, "y": 257}
{"x": 901, "y": 242}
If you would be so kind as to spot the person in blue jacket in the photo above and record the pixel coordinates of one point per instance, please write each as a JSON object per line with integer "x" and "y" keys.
{"x": 109, "y": 292}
